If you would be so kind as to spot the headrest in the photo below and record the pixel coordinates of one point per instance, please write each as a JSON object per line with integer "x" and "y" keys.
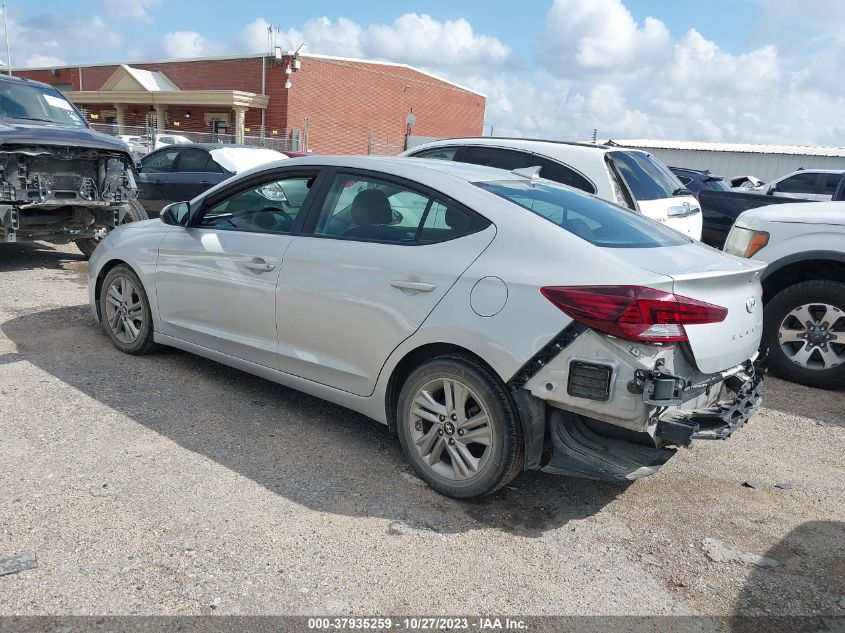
{"x": 370, "y": 207}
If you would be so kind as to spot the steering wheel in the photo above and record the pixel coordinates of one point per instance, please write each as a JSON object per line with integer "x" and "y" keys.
{"x": 270, "y": 218}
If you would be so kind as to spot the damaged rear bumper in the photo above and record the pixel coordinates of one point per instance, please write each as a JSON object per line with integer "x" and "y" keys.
{"x": 720, "y": 421}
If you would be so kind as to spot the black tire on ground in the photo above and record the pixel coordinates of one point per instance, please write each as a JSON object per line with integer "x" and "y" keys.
{"x": 804, "y": 293}
{"x": 143, "y": 343}
{"x": 136, "y": 213}
{"x": 507, "y": 453}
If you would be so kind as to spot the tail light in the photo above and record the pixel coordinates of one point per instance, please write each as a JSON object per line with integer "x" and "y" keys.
{"x": 633, "y": 312}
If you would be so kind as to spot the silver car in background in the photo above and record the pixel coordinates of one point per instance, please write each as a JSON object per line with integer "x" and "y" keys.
{"x": 495, "y": 321}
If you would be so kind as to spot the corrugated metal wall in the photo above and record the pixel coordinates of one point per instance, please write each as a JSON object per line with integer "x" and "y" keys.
{"x": 729, "y": 164}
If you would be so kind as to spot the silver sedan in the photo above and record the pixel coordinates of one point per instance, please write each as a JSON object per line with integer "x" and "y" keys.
{"x": 494, "y": 320}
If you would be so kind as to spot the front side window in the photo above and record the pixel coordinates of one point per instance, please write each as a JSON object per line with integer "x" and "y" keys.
{"x": 160, "y": 162}
{"x": 30, "y": 102}
{"x": 647, "y": 178}
{"x": 438, "y": 153}
{"x": 799, "y": 183}
{"x": 591, "y": 219}
{"x": 370, "y": 209}
{"x": 271, "y": 207}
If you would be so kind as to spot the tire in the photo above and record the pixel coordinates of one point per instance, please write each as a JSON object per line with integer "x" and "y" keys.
{"x": 123, "y": 301}
{"x": 135, "y": 213}
{"x": 822, "y": 304}
{"x": 430, "y": 436}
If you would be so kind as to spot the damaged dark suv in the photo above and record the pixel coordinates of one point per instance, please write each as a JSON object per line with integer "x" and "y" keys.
{"x": 60, "y": 181}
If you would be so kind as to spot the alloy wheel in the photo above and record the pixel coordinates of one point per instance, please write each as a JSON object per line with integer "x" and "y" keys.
{"x": 451, "y": 429}
{"x": 813, "y": 336}
{"x": 125, "y": 312}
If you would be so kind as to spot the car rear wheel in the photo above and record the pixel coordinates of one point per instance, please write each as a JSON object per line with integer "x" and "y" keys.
{"x": 135, "y": 213}
{"x": 458, "y": 427}
{"x": 805, "y": 331}
{"x": 125, "y": 311}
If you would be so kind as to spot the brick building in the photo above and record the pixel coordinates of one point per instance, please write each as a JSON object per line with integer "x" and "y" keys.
{"x": 333, "y": 105}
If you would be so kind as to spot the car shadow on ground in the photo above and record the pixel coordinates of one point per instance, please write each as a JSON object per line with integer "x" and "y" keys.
{"x": 31, "y": 255}
{"x": 801, "y": 585}
{"x": 312, "y": 452}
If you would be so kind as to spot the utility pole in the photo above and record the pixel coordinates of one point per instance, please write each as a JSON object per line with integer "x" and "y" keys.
{"x": 8, "y": 47}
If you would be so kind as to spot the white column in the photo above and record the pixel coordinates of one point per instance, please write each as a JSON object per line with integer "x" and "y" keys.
{"x": 161, "y": 117}
{"x": 120, "y": 111}
{"x": 240, "y": 123}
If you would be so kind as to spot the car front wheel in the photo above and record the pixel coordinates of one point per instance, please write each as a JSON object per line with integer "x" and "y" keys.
{"x": 805, "y": 332}
{"x": 458, "y": 427}
{"x": 125, "y": 311}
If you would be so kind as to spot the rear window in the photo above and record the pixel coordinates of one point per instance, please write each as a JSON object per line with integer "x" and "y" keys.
{"x": 647, "y": 178}
{"x": 717, "y": 185}
{"x": 591, "y": 219}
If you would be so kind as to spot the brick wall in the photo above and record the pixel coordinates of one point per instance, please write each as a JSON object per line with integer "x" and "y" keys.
{"x": 345, "y": 101}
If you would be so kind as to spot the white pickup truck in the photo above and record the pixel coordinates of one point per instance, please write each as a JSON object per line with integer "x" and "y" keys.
{"x": 803, "y": 286}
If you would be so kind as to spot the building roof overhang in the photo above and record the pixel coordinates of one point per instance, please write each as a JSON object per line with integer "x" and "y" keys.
{"x": 214, "y": 98}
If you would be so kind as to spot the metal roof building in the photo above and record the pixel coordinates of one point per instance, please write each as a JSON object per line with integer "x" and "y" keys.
{"x": 766, "y": 162}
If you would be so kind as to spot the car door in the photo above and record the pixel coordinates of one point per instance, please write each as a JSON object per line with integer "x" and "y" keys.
{"x": 153, "y": 177}
{"x": 366, "y": 272}
{"x": 216, "y": 278}
{"x": 194, "y": 172}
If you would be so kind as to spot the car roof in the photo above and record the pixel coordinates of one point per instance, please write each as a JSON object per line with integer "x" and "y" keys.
{"x": 544, "y": 146}
{"x": 206, "y": 146}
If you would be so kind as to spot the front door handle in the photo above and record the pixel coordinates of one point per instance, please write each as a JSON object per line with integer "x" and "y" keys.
{"x": 204, "y": 183}
{"x": 258, "y": 265}
{"x": 417, "y": 286}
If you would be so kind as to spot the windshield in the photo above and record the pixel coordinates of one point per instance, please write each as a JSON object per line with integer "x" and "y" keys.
{"x": 647, "y": 178}
{"x": 590, "y": 218}
{"x": 29, "y": 102}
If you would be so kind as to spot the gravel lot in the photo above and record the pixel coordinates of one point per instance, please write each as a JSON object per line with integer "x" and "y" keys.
{"x": 171, "y": 484}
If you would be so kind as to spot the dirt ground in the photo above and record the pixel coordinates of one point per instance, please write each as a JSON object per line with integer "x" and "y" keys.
{"x": 170, "y": 484}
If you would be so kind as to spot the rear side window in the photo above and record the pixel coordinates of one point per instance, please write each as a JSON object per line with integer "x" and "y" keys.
{"x": 193, "y": 160}
{"x": 508, "y": 159}
{"x": 160, "y": 161}
{"x": 716, "y": 185}
{"x": 591, "y": 219}
{"x": 647, "y": 178}
{"x": 799, "y": 183}
{"x": 366, "y": 208}
{"x": 831, "y": 182}
{"x": 438, "y": 153}
{"x": 512, "y": 159}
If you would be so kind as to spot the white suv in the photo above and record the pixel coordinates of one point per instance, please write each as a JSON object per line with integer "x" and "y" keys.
{"x": 631, "y": 178}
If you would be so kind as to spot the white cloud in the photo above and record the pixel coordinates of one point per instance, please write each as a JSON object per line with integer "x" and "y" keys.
{"x": 49, "y": 39}
{"x": 129, "y": 10}
{"x": 187, "y": 44}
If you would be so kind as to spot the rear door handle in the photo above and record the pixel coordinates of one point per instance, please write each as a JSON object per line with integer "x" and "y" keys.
{"x": 412, "y": 285}
{"x": 204, "y": 183}
{"x": 258, "y": 265}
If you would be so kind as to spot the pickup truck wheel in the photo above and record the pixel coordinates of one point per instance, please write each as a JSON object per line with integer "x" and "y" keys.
{"x": 125, "y": 311}
{"x": 804, "y": 327}
{"x": 458, "y": 427}
{"x": 135, "y": 213}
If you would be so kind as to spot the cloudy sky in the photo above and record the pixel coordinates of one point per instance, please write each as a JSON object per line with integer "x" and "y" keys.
{"x": 727, "y": 70}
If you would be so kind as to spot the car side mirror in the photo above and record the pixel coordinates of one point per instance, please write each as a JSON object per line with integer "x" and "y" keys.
{"x": 176, "y": 214}
{"x": 772, "y": 190}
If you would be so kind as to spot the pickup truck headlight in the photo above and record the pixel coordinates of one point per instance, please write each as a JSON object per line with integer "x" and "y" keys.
{"x": 745, "y": 242}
